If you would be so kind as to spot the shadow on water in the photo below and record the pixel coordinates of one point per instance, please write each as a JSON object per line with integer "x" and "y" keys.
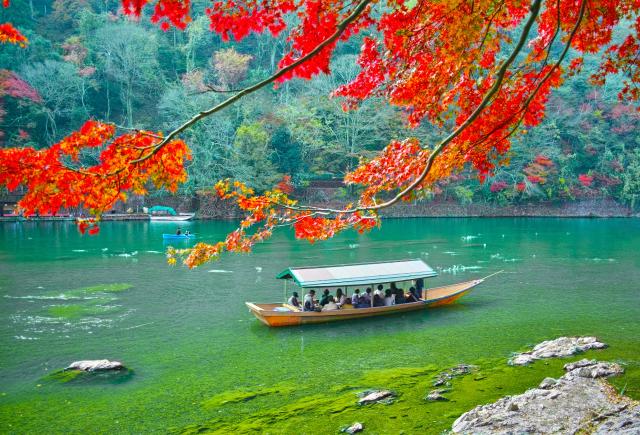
{"x": 78, "y": 377}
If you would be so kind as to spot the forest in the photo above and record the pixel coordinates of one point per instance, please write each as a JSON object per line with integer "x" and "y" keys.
{"x": 88, "y": 60}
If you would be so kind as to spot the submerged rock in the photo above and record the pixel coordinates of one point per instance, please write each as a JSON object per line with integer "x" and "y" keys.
{"x": 578, "y": 401}
{"x": 95, "y": 365}
{"x": 443, "y": 378}
{"x": 376, "y": 396}
{"x": 436, "y": 395}
{"x": 355, "y": 427}
{"x": 560, "y": 347}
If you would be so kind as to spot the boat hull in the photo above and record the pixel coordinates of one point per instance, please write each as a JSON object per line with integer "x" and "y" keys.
{"x": 177, "y": 237}
{"x": 178, "y": 218}
{"x": 433, "y": 298}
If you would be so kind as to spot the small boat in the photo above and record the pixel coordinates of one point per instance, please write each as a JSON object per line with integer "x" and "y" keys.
{"x": 170, "y": 218}
{"x": 358, "y": 276}
{"x": 161, "y": 213}
{"x": 178, "y": 236}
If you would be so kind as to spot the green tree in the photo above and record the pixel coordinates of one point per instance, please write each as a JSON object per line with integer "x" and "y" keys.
{"x": 253, "y": 154}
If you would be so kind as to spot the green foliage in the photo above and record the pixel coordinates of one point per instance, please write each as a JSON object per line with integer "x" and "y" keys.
{"x": 631, "y": 188}
{"x": 253, "y": 155}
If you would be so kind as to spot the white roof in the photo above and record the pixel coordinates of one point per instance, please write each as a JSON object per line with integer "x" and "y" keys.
{"x": 358, "y": 274}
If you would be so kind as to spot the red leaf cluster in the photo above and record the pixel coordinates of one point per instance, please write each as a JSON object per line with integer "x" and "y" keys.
{"x": 498, "y": 186}
{"x": 585, "y": 180}
{"x": 11, "y": 35}
{"x": 127, "y": 163}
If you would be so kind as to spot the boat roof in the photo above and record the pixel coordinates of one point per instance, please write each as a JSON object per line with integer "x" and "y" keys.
{"x": 358, "y": 274}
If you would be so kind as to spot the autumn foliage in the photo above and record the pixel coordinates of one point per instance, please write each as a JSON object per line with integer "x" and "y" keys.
{"x": 482, "y": 71}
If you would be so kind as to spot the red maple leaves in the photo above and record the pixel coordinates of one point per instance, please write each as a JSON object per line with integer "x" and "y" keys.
{"x": 11, "y": 35}
{"x": 127, "y": 163}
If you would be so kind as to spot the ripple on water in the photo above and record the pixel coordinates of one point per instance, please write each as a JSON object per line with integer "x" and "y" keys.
{"x": 459, "y": 268}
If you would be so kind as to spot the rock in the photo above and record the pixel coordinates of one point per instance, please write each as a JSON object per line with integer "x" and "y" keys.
{"x": 560, "y": 347}
{"x": 579, "y": 401}
{"x": 355, "y": 427}
{"x": 443, "y": 378}
{"x": 436, "y": 395}
{"x": 375, "y": 396}
{"x": 95, "y": 365}
{"x": 462, "y": 369}
{"x": 593, "y": 369}
{"x": 626, "y": 422}
{"x": 547, "y": 383}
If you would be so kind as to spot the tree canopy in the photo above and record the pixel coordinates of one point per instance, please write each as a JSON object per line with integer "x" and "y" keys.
{"x": 480, "y": 72}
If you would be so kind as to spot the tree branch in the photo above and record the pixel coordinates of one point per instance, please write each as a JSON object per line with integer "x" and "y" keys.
{"x": 535, "y": 10}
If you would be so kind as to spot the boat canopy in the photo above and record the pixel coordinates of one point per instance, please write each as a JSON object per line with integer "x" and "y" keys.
{"x": 358, "y": 274}
{"x": 162, "y": 209}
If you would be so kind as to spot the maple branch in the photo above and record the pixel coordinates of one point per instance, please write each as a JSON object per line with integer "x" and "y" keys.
{"x": 521, "y": 112}
{"x": 535, "y": 10}
{"x": 340, "y": 29}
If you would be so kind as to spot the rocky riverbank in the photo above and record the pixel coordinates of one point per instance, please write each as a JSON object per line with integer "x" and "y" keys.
{"x": 580, "y": 401}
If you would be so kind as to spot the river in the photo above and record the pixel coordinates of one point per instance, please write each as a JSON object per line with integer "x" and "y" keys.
{"x": 200, "y": 361}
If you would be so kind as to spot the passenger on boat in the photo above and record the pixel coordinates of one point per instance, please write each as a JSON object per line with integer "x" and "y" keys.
{"x": 341, "y": 298}
{"x": 355, "y": 298}
{"x": 378, "y": 301}
{"x": 187, "y": 233}
{"x": 365, "y": 299}
{"x": 293, "y": 300}
{"x": 179, "y": 231}
{"x": 379, "y": 291}
{"x": 399, "y": 296}
{"x": 309, "y": 303}
{"x": 330, "y": 305}
{"x": 389, "y": 298}
{"x": 325, "y": 297}
{"x": 412, "y": 295}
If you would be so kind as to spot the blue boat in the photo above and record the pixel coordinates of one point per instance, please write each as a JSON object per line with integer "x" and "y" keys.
{"x": 178, "y": 236}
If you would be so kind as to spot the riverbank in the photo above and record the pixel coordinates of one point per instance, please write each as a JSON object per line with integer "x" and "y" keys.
{"x": 212, "y": 208}
{"x": 208, "y": 207}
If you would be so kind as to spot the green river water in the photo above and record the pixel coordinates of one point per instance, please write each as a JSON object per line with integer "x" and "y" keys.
{"x": 200, "y": 362}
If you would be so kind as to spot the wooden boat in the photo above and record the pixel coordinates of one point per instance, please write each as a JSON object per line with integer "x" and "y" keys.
{"x": 170, "y": 218}
{"x": 359, "y": 275}
{"x": 178, "y": 236}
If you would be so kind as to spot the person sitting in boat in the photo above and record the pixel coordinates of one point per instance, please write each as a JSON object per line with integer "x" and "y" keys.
{"x": 365, "y": 299}
{"x": 341, "y": 298}
{"x": 330, "y": 305}
{"x": 377, "y": 300}
{"x": 309, "y": 302}
{"x": 187, "y": 233}
{"x": 379, "y": 291}
{"x": 389, "y": 298}
{"x": 179, "y": 232}
{"x": 399, "y": 296}
{"x": 325, "y": 297}
{"x": 293, "y": 300}
{"x": 355, "y": 298}
{"x": 412, "y": 296}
